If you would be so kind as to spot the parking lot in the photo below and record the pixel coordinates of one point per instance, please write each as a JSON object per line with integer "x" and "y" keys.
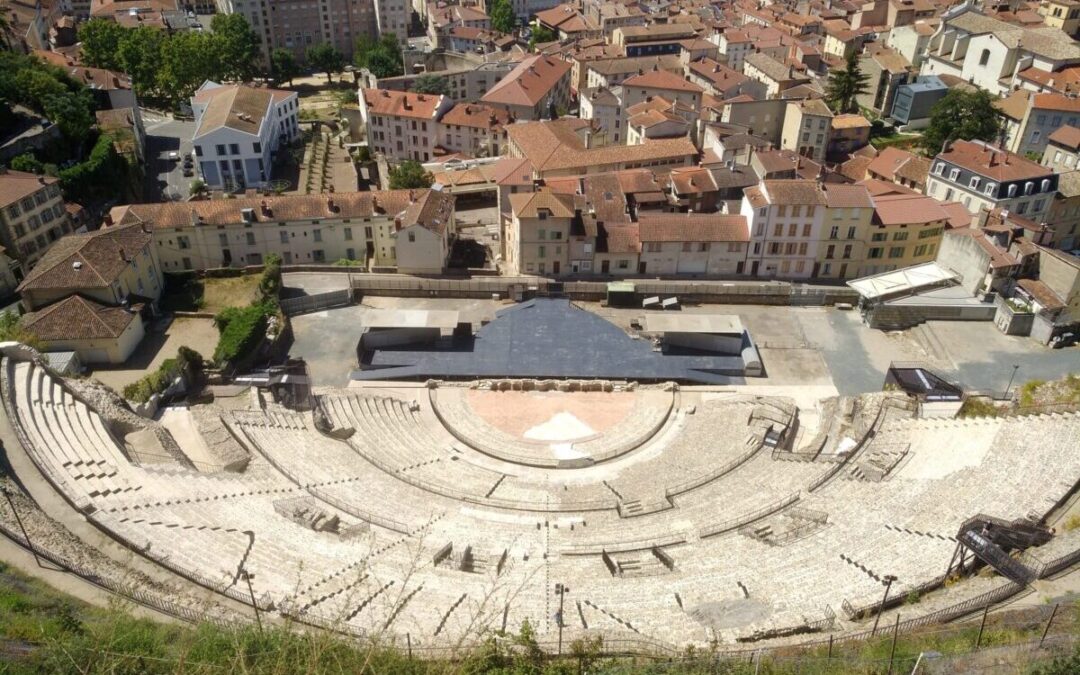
{"x": 800, "y": 346}
{"x": 165, "y": 180}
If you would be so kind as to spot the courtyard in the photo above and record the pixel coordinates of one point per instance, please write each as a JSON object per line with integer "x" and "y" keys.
{"x": 800, "y": 346}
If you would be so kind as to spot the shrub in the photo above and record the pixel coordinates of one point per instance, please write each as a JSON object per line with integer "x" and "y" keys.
{"x": 270, "y": 284}
{"x": 187, "y": 361}
{"x": 242, "y": 329}
{"x": 345, "y": 262}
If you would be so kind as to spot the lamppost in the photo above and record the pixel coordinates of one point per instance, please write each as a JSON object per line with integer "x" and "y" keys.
{"x": 22, "y": 527}
{"x": 561, "y": 590}
{"x": 248, "y": 576}
{"x": 889, "y": 579}
{"x": 1011, "y": 377}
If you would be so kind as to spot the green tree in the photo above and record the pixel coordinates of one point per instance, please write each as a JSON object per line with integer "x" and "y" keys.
{"x": 382, "y": 57}
{"x": 11, "y": 330}
{"x": 236, "y": 46}
{"x": 410, "y": 174}
{"x": 327, "y": 58}
{"x": 540, "y": 35}
{"x": 101, "y": 43}
{"x": 501, "y": 13}
{"x": 28, "y": 163}
{"x": 72, "y": 113}
{"x": 283, "y": 66}
{"x": 846, "y": 85}
{"x": 187, "y": 60}
{"x": 140, "y": 54}
{"x": 431, "y": 84}
{"x": 962, "y": 115}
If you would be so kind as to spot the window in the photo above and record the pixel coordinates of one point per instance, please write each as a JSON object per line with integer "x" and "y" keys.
{"x": 1012, "y": 190}
{"x": 781, "y": 210}
{"x": 1021, "y": 208}
{"x": 541, "y": 251}
{"x": 220, "y": 149}
{"x": 257, "y": 147}
{"x": 806, "y": 229}
{"x": 851, "y": 232}
{"x": 223, "y": 239}
{"x": 774, "y": 248}
{"x": 250, "y": 237}
{"x": 186, "y": 263}
{"x": 829, "y": 251}
{"x": 1029, "y": 187}
{"x": 542, "y": 215}
{"x": 810, "y": 211}
{"x": 198, "y": 151}
{"x": 939, "y": 168}
{"x": 988, "y": 189}
{"x": 183, "y": 243}
{"x": 847, "y": 251}
{"x": 284, "y": 236}
{"x": 792, "y": 229}
{"x": 984, "y": 58}
{"x": 920, "y": 250}
{"x": 778, "y": 230}
{"x": 899, "y": 236}
{"x": 318, "y": 255}
{"x": 412, "y": 237}
{"x": 686, "y": 247}
{"x": 796, "y": 211}
{"x": 974, "y": 183}
{"x": 624, "y": 264}
{"x": 348, "y": 234}
{"x": 316, "y": 234}
{"x": 234, "y": 148}
{"x": 1045, "y": 185}
{"x": 954, "y": 174}
{"x": 875, "y": 252}
{"x": 1037, "y": 206}
{"x": 834, "y": 232}
{"x": 896, "y": 252}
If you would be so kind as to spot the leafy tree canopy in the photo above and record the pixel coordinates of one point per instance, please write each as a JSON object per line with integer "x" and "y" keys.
{"x": 326, "y": 58}
{"x": 962, "y": 115}
{"x": 283, "y": 65}
{"x": 431, "y": 84}
{"x": 540, "y": 35}
{"x": 410, "y": 174}
{"x": 382, "y": 57}
{"x": 846, "y": 85}
{"x": 501, "y": 13}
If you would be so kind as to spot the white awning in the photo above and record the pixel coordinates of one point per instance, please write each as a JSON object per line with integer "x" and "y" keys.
{"x": 906, "y": 280}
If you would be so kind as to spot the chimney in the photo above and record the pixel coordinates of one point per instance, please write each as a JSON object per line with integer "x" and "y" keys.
{"x": 107, "y": 220}
{"x": 330, "y": 205}
{"x": 41, "y": 179}
{"x": 122, "y": 255}
{"x": 588, "y": 139}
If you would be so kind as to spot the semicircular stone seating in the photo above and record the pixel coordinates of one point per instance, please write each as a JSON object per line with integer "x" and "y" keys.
{"x": 700, "y": 533}
{"x": 648, "y": 413}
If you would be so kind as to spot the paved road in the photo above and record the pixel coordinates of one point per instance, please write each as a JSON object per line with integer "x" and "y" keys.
{"x": 164, "y": 177}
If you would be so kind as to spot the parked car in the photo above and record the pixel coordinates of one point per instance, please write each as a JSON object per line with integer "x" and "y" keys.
{"x": 188, "y": 172}
{"x": 174, "y": 155}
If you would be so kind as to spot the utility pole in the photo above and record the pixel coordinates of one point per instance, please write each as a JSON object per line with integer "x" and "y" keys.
{"x": 561, "y": 590}
{"x": 1016, "y": 367}
{"x": 25, "y": 534}
{"x": 247, "y": 577}
{"x": 889, "y": 579}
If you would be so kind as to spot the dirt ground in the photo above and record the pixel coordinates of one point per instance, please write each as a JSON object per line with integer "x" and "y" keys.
{"x": 161, "y": 342}
{"x": 229, "y": 292}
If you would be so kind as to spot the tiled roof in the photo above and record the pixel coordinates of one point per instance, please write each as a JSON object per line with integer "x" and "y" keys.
{"x": 528, "y": 83}
{"x": 795, "y": 191}
{"x": 662, "y": 79}
{"x": 1042, "y": 293}
{"x": 1058, "y": 102}
{"x": 432, "y": 210}
{"x": 78, "y": 318}
{"x": 720, "y": 75}
{"x": 618, "y": 239}
{"x": 554, "y": 145}
{"x": 986, "y": 160}
{"x": 850, "y": 121}
{"x": 623, "y": 65}
{"x": 14, "y": 185}
{"x": 907, "y": 209}
{"x": 236, "y": 106}
{"x": 651, "y": 118}
{"x": 93, "y": 260}
{"x": 477, "y": 116}
{"x": 269, "y": 209}
{"x": 892, "y": 160}
{"x": 528, "y": 205}
{"x": 692, "y": 180}
{"x": 1015, "y": 105}
{"x": 1066, "y": 136}
{"x": 847, "y": 196}
{"x": 773, "y": 69}
{"x": 402, "y": 103}
{"x": 679, "y": 227}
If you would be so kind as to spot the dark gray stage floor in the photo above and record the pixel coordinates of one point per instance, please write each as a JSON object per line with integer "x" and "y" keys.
{"x": 549, "y": 338}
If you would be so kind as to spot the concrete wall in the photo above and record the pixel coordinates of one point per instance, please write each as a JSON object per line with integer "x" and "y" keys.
{"x": 1064, "y": 279}
{"x": 963, "y": 255}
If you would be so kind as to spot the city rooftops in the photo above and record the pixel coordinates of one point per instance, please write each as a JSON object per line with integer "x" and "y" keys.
{"x": 992, "y": 162}
{"x": 237, "y": 106}
{"x": 529, "y": 83}
{"x": 402, "y": 103}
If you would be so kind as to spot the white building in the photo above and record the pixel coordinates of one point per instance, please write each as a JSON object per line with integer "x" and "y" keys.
{"x": 784, "y": 217}
{"x": 402, "y": 125}
{"x": 693, "y": 243}
{"x": 981, "y": 176}
{"x": 238, "y": 130}
{"x": 604, "y": 107}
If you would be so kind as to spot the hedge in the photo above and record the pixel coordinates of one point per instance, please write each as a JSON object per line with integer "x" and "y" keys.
{"x": 159, "y": 380}
{"x": 242, "y": 329}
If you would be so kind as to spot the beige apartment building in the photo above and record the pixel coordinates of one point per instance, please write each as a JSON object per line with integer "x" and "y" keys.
{"x": 536, "y": 87}
{"x": 849, "y": 212}
{"x": 374, "y": 227}
{"x": 537, "y": 240}
{"x": 806, "y": 129}
{"x": 693, "y": 243}
{"x": 906, "y": 230}
{"x": 474, "y": 129}
{"x": 32, "y": 216}
{"x": 402, "y": 125}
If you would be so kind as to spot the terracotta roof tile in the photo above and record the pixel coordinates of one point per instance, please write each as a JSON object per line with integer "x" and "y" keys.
{"x": 1067, "y": 137}
{"x": 992, "y": 162}
{"x": 93, "y": 260}
{"x": 679, "y": 227}
{"x": 78, "y": 318}
{"x": 662, "y": 79}
{"x": 15, "y": 185}
{"x": 528, "y": 83}
{"x": 402, "y": 103}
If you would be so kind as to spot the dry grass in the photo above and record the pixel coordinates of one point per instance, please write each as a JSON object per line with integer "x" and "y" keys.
{"x": 229, "y": 292}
